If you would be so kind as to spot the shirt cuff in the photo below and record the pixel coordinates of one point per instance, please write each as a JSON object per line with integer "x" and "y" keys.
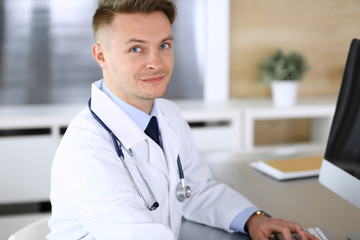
{"x": 238, "y": 223}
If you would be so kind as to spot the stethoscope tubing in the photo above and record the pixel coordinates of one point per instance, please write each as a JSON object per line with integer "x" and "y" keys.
{"x": 120, "y": 153}
{"x": 182, "y": 191}
{"x": 181, "y": 172}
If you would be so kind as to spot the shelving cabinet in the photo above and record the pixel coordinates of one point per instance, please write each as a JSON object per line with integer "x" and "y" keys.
{"x": 29, "y": 136}
{"x": 320, "y": 111}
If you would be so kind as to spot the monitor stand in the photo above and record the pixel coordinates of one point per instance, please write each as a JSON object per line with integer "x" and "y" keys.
{"x": 353, "y": 236}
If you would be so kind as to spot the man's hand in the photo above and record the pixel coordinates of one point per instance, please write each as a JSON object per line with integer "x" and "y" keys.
{"x": 261, "y": 227}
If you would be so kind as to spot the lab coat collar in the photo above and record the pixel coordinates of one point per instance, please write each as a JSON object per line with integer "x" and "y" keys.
{"x": 116, "y": 119}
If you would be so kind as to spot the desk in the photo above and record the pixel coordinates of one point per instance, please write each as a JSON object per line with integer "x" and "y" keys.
{"x": 304, "y": 201}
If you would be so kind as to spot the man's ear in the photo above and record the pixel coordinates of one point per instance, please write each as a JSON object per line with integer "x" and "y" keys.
{"x": 99, "y": 55}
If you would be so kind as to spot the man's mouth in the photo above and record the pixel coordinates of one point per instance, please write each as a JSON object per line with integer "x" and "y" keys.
{"x": 153, "y": 79}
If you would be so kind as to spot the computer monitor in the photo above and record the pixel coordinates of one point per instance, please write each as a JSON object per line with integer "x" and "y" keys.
{"x": 340, "y": 170}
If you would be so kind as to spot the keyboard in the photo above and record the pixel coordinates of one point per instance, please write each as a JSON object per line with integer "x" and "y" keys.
{"x": 317, "y": 233}
{"x": 320, "y": 233}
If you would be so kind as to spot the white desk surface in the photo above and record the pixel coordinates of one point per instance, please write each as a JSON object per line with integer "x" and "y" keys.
{"x": 304, "y": 201}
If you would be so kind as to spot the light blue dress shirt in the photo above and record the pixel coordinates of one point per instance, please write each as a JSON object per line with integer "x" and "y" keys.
{"x": 142, "y": 119}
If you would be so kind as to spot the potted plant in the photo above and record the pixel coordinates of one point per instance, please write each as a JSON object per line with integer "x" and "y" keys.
{"x": 283, "y": 72}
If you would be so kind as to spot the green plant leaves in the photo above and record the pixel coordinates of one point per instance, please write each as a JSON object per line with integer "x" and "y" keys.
{"x": 283, "y": 67}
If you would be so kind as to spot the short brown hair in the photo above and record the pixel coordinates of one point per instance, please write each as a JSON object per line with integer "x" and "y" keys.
{"x": 107, "y": 9}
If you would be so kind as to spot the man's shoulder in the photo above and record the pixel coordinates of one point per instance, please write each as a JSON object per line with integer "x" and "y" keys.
{"x": 82, "y": 117}
{"x": 82, "y": 124}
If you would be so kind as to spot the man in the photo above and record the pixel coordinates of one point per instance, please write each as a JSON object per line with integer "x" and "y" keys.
{"x": 92, "y": 193}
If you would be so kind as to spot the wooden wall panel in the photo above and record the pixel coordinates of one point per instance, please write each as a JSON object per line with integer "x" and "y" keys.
{"x": 322, "y": 30}
{"x": 272, "y": 132}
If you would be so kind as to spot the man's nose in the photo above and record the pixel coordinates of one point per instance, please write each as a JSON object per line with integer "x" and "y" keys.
{"x": 154, "y": 60}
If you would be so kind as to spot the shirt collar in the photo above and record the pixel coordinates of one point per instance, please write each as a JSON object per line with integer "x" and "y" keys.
{"x": 141, "y": 118}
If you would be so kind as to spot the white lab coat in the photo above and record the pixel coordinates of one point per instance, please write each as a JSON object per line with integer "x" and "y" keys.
{"x": 93, "y": 198}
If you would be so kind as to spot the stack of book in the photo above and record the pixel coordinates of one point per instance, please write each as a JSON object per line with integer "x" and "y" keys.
{"x": 290, "y": 168}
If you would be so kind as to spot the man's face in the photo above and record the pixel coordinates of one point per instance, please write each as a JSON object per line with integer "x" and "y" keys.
{"x": 137, "y": 54}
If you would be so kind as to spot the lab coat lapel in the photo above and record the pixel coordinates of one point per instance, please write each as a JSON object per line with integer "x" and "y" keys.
{"x": 157, "y": 157}
{"x": 171, "y": 149}
{"x": 171, "y": 144}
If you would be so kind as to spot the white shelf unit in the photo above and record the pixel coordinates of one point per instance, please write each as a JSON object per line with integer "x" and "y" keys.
{"x": 29, "y": 136}
{"x": 216, "y": 126}
{"x": 319, "y": 110}
{"x": 25, "y": 159}
{"x": 28, "y": 141}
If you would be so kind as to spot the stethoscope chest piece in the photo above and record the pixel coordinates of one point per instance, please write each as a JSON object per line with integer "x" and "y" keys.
{"x": 182, "y": 191}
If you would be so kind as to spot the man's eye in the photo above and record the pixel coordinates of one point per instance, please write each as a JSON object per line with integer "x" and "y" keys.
{"x": 164, "y": 46}
{"x": 136, "y": 49}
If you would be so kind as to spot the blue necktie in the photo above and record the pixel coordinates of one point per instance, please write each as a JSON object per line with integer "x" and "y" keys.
{"x": 152, "y": 130}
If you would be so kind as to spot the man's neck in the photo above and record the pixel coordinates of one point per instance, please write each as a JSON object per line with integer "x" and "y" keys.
{"x": 144, "y": 105}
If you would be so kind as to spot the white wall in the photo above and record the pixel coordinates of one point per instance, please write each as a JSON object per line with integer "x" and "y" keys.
{"x": 216, "y": 81}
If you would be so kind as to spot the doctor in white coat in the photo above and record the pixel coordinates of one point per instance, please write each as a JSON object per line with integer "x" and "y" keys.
{"x": 92, "y": 194}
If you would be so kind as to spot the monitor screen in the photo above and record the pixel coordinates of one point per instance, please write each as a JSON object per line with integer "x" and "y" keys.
{"x": 340, "y": 171}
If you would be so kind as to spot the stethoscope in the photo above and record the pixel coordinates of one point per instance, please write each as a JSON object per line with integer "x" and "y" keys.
{"x": 182, "y": 191}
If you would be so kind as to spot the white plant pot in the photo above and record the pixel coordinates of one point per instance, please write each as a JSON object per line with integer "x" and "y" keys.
{"x": 284, "y": 93}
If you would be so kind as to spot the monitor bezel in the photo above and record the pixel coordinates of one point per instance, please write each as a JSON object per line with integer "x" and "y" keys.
{"x": 340, "y": 182}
